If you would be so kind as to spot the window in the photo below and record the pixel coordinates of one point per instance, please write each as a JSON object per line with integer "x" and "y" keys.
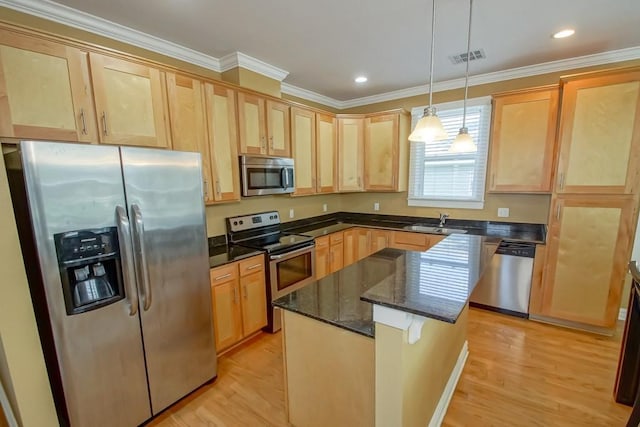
{"x": 438, "y": 178}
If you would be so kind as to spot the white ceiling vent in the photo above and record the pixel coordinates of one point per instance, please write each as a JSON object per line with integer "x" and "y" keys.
{"x": 462, "y": 57}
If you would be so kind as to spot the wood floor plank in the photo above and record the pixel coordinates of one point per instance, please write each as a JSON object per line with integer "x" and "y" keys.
{"x": 519, "y": 373}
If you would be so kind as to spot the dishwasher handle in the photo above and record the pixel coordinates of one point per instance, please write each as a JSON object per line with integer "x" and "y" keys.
{"x": 519, "y": 249}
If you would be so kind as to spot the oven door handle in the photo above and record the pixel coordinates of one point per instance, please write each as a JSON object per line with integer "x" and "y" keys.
{"x": 288, "y": 254}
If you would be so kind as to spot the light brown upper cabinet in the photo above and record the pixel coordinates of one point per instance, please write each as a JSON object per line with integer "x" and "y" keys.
{"x": 130, "y": 102}
{"x": 223, "y": 142}
{"x": 45, "y": 90}
{"x": 278, "y": 129}
{"x": 188, "y": 126}
{"x": 264, "y": 126}
{"x": 350, "y": 153}
{"x": 326, "y": 154}
{"x": 600, "y": 134}
{"x": 523, "y": 141}
{"x": 588, "y": 246}
{"x": 303, "y": 147}
{"x": 385, "y": 152}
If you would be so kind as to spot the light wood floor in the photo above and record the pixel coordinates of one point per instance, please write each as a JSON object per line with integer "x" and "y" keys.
{"x": 519, "y": 373}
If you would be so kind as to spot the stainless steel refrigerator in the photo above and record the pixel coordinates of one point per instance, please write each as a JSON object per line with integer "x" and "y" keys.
{"x": 114, "y": 241}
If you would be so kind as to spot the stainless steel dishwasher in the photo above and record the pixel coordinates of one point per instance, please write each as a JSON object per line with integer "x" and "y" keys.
{"x": 506, "y": 284}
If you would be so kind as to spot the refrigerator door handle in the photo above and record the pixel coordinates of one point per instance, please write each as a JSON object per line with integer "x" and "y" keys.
{"x": 124, "y": 235}
{"x": 141, "y": 258}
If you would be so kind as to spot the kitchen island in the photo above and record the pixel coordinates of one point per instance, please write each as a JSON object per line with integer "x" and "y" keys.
{"x": 382, "y": 341}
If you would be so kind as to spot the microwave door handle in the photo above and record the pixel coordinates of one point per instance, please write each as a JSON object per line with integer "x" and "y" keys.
{"x": 284, "y": 178}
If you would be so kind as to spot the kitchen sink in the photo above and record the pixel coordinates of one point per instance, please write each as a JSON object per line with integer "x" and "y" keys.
{"x": 435, "y": 230}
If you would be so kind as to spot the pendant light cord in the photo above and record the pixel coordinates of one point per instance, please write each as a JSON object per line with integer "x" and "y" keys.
{"x": 466, "y": 75}
{"x": 433, "y": 45}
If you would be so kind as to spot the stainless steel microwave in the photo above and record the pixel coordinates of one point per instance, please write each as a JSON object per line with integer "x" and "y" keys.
{"x": 266, "y": 175}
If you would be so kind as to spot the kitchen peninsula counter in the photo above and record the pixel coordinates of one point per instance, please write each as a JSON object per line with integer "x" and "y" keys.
{"x": 355, "y": 340}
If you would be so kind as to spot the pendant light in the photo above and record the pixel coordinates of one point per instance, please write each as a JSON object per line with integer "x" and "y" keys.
{"x": 463, "y": 142}
{"x": 429, "y": 128}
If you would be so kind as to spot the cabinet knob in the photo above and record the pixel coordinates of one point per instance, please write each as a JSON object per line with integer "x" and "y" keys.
{"x": 84, "y": 123}
{"x": 104, "y": 123}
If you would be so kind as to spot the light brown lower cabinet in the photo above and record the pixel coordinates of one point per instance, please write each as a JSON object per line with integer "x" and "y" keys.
{"x": 589, "y": 242}
{"x": 239, "y": 301}
{"x": 414, "y": 241}
{"x": 329, "y": 254}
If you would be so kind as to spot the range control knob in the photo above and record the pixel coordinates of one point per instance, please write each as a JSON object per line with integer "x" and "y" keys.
{"x": 241, "y": 222}
{"x": 235, "y": 222}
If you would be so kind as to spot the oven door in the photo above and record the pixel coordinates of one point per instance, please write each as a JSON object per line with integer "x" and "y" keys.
{"x": 291, "y": 271}
{"x": 258, "y": 180}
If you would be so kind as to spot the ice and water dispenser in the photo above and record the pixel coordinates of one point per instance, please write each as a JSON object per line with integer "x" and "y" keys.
{"x": 89, "y": 264}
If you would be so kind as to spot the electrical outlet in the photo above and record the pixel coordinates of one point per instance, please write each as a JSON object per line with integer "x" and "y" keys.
{"x": 503, "y": 212}
{"x": 376, "y": 206}
{"x": 290, "y": 213}
{"x": 324, "y": 207}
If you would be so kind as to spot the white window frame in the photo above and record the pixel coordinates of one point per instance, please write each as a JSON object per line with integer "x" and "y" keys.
{"x": 475, "y": 202}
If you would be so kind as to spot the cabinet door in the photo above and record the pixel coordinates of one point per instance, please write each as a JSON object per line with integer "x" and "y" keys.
{"x": 223, "y": 142}
{"x": 130, "y": 102}
{"x": 278, "y": 129}
{"x": 363, "y": 243}
{"x": 587, "y": 255}
{"x": 600, "y": 135}
{"x": 336, "y": 257}
{"x": 350, "y": 243}
{"x": 254, "y": 303}
{"x": 303, "y": 145}
{"x": 350, "y": 146}
{"x": 434, "y": 239}
{"x": 322, "y": 257}
{"x": 188, "y": 127}
{"x": 227, "y": 320}
{"x": 381, "y": 153}
{"x": 379, "y": 240}
{"x": 326, "y": 154}
{"x": 252, "y": 125}
{"x": 45, "y": 90}
{"x": 523, "y": 141}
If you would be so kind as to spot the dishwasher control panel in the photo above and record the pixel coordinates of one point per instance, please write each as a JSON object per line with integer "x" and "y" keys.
{"x": 521, "y": 249}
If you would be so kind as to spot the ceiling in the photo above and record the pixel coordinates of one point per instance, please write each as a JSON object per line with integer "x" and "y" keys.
{"x": 325, "y": 44}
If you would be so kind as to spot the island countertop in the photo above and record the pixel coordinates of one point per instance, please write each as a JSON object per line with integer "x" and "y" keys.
{"x": 435, "y": 283}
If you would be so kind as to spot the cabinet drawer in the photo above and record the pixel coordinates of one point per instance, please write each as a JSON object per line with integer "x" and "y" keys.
{"x": 251, "y": 265}
{"x": 223, "y": 274}
{"x": 322, "y": 242}
{"x": 336, "y": 238}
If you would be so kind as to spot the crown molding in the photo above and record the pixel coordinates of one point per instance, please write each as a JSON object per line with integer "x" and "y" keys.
{"x": 74, "y": 18}
{"x": 93, "y": 24}
{"x": 239, "y": 59}
{"x": 513, "y": 73}
{"x": 311, "y": 96}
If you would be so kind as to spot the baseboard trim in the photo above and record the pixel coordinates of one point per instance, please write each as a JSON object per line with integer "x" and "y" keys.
{"x": 450, "y": 388}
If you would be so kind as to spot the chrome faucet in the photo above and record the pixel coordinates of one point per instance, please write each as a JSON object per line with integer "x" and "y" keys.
{"x": 443, "y": 219}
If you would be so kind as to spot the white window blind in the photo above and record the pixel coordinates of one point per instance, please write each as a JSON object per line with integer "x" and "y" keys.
{"x": 452, "y": 180}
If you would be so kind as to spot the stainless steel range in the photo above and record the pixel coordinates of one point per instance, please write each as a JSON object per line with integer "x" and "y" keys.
{"x": 291, "y": 256}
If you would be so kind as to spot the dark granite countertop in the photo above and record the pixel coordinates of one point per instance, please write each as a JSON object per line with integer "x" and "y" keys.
{"x": 327, "y": 224}
{"x": 435, "y": 284}
{"x": 224, "y": 254}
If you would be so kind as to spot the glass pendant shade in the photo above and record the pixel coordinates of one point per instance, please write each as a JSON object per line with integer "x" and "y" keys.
{"x": 463, "y": 143}
{"x": 429, "y": 128}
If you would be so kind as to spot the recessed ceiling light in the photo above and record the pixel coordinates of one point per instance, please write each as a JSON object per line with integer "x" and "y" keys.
{"x": 361, "y": 79}
{"x": 564, "y": 33}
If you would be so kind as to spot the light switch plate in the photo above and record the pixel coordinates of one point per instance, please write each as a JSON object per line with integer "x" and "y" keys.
{"x": 376, "y": 206}
{"x": 290, "y": 213}
{"x": 503, "y": 212}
